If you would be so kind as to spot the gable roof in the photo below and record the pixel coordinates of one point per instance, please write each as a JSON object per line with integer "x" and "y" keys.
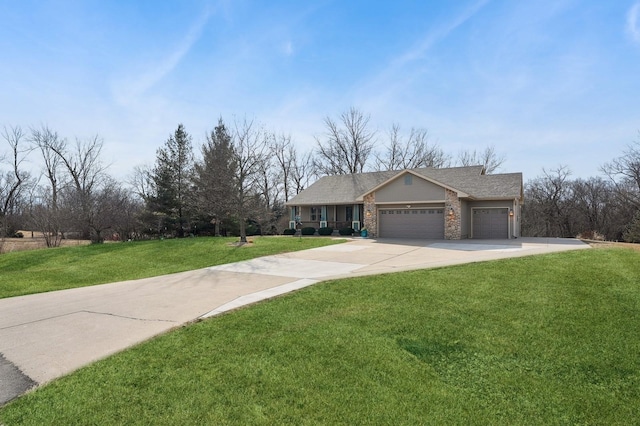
{"x": 469, "y": 182}
{"x": 416, "y": 172}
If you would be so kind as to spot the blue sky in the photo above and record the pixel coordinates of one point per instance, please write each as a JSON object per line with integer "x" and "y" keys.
{"x": 547, "y": 83}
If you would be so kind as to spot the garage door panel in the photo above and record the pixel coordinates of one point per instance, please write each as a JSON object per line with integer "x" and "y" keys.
{"x": 491, "y": 223}
{"x": 411, "y": 223}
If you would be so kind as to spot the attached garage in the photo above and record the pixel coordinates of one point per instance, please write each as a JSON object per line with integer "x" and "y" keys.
{"x": 428, "y": 203}
{"x": 411, "y": 223}
{"x": 491, "y": 223}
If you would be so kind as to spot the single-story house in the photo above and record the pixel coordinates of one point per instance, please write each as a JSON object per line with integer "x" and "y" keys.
{"x": 449, "y": 203}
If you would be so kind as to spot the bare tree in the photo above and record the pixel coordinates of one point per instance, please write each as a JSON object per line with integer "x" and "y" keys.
{"x": 412, "y": 152}
{"x": 45, "y": 209}
{"x": 488, "y": 158}
{"x": 591, "y": 204}
{"x": 250, "y": 149}
{"x": 346, "y": 146}
{"x": 15, "y": 180}
{"x": 270, "y": 179}
{"x": 112, "y": 212}
{"x": 296, "y": 170}
{"x": 140, "y": 181}
{"x": 48, "y": 142}
{"x": 283, "y": 154}
{"x": 301, "y": 172}
{"x": 545, "y": 214}
{"x": 624, "y": 173}
{"x": 86, "y": 173}
{"x": 44, "y": 218}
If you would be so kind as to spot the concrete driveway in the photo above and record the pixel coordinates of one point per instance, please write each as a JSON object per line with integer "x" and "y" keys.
{"x": 45, "y": 336}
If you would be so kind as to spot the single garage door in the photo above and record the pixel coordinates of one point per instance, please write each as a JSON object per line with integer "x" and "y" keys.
{"x": 491, "y": 223}
{"x": 411, "y": 223}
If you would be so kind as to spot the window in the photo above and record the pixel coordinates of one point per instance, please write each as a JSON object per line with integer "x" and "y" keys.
{"x": 408, "y": 179}
{"x": 315, "y": 213}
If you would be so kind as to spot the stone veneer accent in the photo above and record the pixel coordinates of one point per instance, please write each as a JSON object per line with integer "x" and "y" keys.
{"x": 452, "y": 224}
{"x": 370, "y": 222}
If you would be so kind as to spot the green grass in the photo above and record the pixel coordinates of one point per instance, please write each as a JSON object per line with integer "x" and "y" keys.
{"x": 552, "y": 339}
{"x": 43, "y": 270}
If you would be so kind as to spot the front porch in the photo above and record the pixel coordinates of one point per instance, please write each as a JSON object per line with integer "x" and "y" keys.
{"x": 323, "y": 216}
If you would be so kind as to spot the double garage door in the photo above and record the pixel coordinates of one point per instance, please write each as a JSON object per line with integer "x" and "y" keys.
{"x": 411, "y": 223}
{"x": 490, "y": 223}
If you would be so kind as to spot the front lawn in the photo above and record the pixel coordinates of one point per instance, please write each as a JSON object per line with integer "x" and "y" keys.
{"x": 37, "y": 271}
{"x": 552, "y": 339}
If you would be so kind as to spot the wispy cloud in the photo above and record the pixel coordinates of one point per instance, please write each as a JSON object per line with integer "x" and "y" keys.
{"x": 287, "y": 48}
{"x": 139, "y": 84}
{"x": 436, "y": 35}
{"x": 633, "y": 27}
{"x": 400, "y": 70}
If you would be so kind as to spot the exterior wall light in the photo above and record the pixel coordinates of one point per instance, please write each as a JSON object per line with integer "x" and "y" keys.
{"x": 451, "y": 212}
{"x": 511, "y": 213}
{"x": 368, "y": 213}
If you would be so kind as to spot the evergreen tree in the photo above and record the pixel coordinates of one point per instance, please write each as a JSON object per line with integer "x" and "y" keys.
{"x": 172, "y": 179}
{"x": 215, "y": 177}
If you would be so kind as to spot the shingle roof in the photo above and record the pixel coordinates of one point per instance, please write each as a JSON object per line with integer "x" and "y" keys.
{"x": 346, "y": 189}
{"x": 340, "y": 189}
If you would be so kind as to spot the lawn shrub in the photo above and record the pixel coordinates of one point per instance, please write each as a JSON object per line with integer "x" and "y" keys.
{"x": 346, "y": 231}
{"x": 309, "y": 230}
{"x": 325, "y": 231}
{"x": 289, "y": 231}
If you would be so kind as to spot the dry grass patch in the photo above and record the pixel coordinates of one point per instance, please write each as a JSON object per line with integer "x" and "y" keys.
{"x": 8, "y": 245}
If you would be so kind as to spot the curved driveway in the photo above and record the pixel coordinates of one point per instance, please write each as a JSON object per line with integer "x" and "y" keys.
{"x": 48, "y": 335}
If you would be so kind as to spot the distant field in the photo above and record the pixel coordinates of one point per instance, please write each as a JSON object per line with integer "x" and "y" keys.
{"x": 37, "y": 271}
{"x": 9, "y": 245}
{"x": 549, "y": 339}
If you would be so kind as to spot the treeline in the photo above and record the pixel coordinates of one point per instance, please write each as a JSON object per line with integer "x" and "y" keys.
{"x": 238, "y": 181}
{"x": 603, "y": 207}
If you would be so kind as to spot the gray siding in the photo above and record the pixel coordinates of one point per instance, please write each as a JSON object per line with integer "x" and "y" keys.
{"x": 419, "y": 190}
